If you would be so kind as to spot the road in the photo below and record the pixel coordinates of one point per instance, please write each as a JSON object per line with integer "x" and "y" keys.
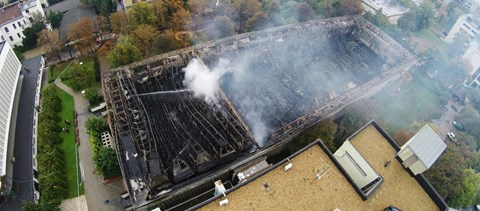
{"x": 99, "y": 196}
{"x": 444, "y": 124}
{"x": 23, "y": 166}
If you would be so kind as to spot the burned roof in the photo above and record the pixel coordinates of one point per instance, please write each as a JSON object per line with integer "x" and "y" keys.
{"x": 268, "y": 86}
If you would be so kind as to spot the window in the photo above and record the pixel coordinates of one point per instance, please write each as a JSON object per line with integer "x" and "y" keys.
{"x": 3, "y": 38}
{"x": 27, "y": 11}
{"x": 14, "y": 26}
{"x": 18, "y": 34}
{"x": 6, "y": 29}
{"x": 19, "y": 24}
{"x": 11, "y": 38}
{"x": 24, "y": 22}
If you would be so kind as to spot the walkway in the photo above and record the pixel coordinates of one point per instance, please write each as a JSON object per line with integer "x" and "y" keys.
{"x": 75, "y": 204}
{"x": 99, "y": 196}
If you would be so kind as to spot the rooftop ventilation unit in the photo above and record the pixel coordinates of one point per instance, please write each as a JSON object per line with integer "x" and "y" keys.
{"x": 422, "y": 150}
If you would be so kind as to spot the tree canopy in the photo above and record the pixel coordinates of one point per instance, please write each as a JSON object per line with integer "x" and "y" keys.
{"x": 125, "y": 52}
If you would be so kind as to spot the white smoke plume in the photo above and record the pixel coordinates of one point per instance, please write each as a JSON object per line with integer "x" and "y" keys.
{"x": 205, "y": 83}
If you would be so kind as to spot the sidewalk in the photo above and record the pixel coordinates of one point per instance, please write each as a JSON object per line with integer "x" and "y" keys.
{"x": 98, "y": 196}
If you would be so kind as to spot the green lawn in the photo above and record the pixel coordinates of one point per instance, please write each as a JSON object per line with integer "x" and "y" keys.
{"x": 59, "y": 68}
{"x": 400, "y": 109}
{"x": 68, "y": 143}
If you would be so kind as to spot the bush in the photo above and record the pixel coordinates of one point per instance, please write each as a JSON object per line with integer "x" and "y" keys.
{"x": 106, "y": 162}
{"x": 92, "y": 96}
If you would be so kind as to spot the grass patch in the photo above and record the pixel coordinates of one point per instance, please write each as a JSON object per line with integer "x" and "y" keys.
{"x": 68, "y": 143}
{"x": 399, "y": 109}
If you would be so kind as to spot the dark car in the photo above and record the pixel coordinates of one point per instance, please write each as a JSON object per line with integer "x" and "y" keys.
{"x": 458, "y": 126}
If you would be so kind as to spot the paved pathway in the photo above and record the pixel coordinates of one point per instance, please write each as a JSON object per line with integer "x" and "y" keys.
{"x": 75, "y": 204}
{"x": 99, "y": 196}
{"x": 445, "y": 122}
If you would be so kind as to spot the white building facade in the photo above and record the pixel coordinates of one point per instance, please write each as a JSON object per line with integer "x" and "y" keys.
{"x": 10, "y": 68}
{"x": 15, "y": 17}
{"x": 467, "y": 26}
{"x": 471, "y": 5}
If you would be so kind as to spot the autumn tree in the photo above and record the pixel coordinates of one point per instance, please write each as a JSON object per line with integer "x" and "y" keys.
{"x": 105, "y": 48}
{"x": 171, "y": 14}
{"x": 142, "y": 13}
{"x": 143, "y": 38}
{"x": 50, "y": 41}
{"x": 166, "y": 42}
{"x": 119, "y": 22}
{"x": 103, "y": 24}
{"x": 81, "y": 33}
{"x": 125, "y": 52}
{"x": 246, "y": 9}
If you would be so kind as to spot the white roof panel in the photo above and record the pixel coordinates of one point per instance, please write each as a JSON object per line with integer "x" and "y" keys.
{"x": 426, "y": 145}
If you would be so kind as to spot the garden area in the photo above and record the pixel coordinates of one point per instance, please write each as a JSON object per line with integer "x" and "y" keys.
{"x": 81, "y": 75}
{"x": 57, "y": 162}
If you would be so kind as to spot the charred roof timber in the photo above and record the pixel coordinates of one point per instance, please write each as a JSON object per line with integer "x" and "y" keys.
{"x": 292, "y": 77}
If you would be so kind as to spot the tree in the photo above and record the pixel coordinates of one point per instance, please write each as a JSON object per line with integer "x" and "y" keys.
{"x": 246, "y": 9}
{"x": 102, "y": 7}
{"x": 221, "y": 26}
{"x": 304, "y": 11}
{"x": 165, "y": 11}
{"x": 49, "y": 39}
{"x": 105, "y": 48}
{"x": 166, "y": 42}
{"x": 31, "y": 35}
{"x": 92, "y": 96}
{"x": 143, "y": 38}
{"x": 181, "y": 20}
{"x": 106, "y": 162}
{"x": 470, "y": 192}
{"x": 95, "y": 126}
{"x": 104, "y": 24}
{"x": 80, "y": 75}
{"x": 324, "y": 130}
{"x": 349, "y": 7}
{"x": 55, "y": 18}
{"x": 446, "y": 173}
{"x": 119, "y": 22}
{"x": 81, "y": 33}
{"x": 417, "y": 19}
{"x": 124, "y": 52}
{"x": 142, "y": 13}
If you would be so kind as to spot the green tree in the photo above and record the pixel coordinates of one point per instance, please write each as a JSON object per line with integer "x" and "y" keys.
{"x": 92, "y": 96}
{"x": 125, "y": 52}
{"x": 95, "y": 126}
{"x": 31, "y": 35}
{"x": 470, "y": 192}
{"x": 221, "y": 26}
{"x": 142, "y": 13}
{"x": 324, "y": 130}
{"x": 55, "y": 18}
{"x": 446, "y": 173}
{"x": 106, "y": 162}
{"x": 119, "y": 23}
{"x": 102, "y": 7}
{"x": 143, "y": 38}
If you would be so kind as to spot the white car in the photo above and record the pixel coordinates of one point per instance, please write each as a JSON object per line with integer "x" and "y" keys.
{"x": 451, "y": 136}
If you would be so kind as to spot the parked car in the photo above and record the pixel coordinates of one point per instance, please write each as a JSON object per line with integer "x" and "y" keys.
{"x": 451, "y": 136}
{"x": 458, "y": 126}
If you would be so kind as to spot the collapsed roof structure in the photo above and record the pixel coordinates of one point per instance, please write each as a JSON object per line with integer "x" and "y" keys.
{"x": 271, "y": 85}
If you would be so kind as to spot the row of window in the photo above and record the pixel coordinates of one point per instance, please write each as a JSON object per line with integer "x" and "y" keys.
{"x": 11, "y": 38}
{"x": 15, "y": 26}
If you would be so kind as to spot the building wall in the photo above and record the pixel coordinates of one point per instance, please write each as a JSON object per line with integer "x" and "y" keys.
{"x": 417, "y": 167}
{"x": 10, "y": 68}
{"x": 405, "y": 153}
{"x": 471, "y": 5}
{"x": 15, "y": 35}
{"x": 462, "y": 27}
